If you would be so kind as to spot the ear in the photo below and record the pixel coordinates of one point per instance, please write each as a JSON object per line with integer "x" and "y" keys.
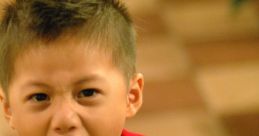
{"x": 135, "y": 95}
{"x": 6, "y": 107}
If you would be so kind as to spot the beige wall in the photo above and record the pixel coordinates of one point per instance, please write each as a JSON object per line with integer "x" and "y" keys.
{"x": 203, "y": 77}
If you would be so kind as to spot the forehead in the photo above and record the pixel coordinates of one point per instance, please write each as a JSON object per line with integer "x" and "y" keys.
{"x": 67, "y": 44}
{"x": 62, "y": 56}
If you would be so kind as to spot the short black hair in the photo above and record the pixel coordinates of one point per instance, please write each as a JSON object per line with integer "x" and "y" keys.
{"x": 103, "y": 21}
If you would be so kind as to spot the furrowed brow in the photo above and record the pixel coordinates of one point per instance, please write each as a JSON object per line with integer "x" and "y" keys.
{"x": 90, "y": 78}
{"x": 33, "y": 83}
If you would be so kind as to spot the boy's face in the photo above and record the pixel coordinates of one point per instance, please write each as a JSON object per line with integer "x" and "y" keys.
{"x": 70, "y": 90}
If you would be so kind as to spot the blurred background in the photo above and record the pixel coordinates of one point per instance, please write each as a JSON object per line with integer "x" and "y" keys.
{"x": 200, "y": 59}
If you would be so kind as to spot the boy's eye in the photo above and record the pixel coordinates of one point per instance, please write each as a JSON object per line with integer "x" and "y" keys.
{"x": 39, "y": 97}
{"x": 87, "y": 93}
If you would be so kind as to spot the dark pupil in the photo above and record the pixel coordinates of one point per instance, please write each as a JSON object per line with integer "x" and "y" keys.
{"x": 41, "y": 97}
{"x": 88, "y": 92}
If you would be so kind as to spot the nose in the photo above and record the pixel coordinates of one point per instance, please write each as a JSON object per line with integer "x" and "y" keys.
{"x": 65, "y": 119}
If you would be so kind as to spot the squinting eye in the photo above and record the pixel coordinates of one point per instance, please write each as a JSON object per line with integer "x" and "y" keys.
{"x": 39, "y": 97}
{"x": 87, "y": 93}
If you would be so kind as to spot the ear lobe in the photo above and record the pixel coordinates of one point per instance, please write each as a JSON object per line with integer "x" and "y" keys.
{"x": 135, "y": 95}
{"x": 6, "y": 107}
{"x": 1, "y": 95}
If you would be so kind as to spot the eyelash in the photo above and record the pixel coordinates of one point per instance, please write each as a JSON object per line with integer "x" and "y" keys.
{"x": 91, "y": 92}
{"x": 41, "y": 97}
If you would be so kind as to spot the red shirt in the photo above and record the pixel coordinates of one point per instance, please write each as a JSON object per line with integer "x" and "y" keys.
{"x": 127, "y": 133}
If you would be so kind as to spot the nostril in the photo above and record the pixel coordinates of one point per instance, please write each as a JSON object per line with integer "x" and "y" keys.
{"x": 72, "y": 128}
{"x": 65, "y": 130}
{"x": 59, "y": 130}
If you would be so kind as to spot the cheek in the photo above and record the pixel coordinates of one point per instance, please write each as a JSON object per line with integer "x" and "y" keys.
{"x": 29, "y": 124}
{"x": 107, "y": 119}
{"x": 105, "y": 123}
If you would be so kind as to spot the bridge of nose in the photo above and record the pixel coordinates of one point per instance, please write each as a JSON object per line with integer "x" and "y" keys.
{"x": 65, "y": 117}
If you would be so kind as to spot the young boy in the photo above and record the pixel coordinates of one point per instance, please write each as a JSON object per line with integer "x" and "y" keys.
{"x": 67, "y": 68}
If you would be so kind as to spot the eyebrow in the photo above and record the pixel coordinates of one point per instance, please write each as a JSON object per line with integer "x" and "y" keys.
{"x": 33, "y": 83}
{"x": 90, "y": 78}
{"x": 85, "y": 79}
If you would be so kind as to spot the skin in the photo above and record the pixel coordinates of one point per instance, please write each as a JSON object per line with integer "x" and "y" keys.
{"x": 70, "y": 90}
